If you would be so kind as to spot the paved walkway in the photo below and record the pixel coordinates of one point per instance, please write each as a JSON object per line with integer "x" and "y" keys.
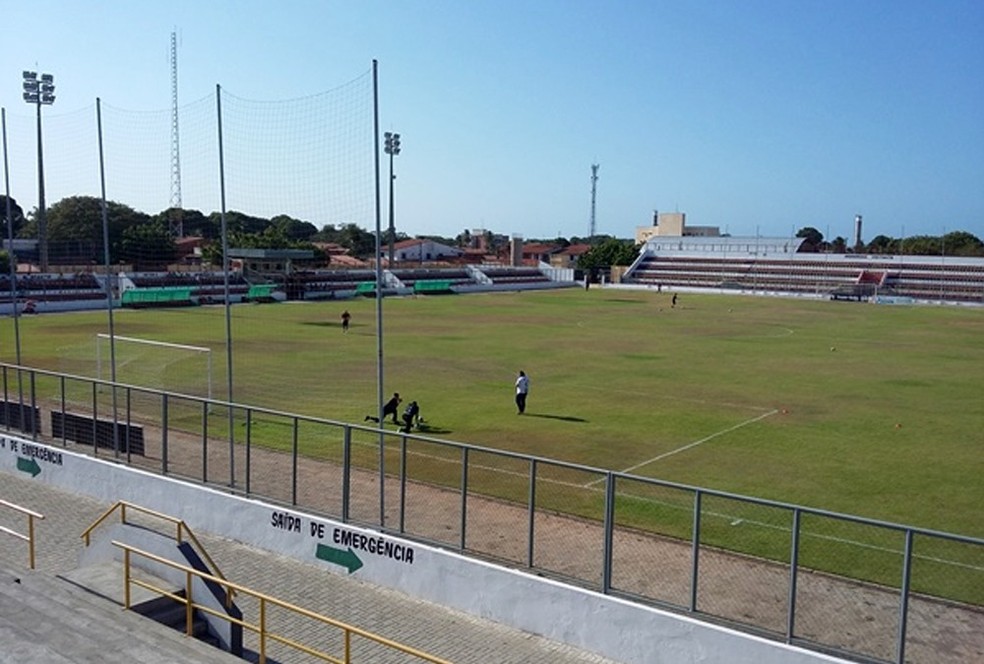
{"x": 438, "y": 631}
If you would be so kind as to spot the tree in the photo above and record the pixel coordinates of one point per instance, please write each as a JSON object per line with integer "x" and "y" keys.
{"x": 76, "y": 223}
{"x": 16, "y": 214}
{"x": 882, "y": 244}
{"x": 359, "y": 242}
{"x": 921, "y": 245}
{"x": 839, "y": 245}
{"x": 812, "y": 239}
{"x": 193, "y": 223}
{"x": 241, "y": 222}
{"x": 608, "y": 253}
{"x": 962, "y": 243}
{"x": 150, "y": 244}
{"x": 293, "y": 229}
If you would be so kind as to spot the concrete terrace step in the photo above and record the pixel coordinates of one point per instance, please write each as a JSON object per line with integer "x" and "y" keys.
{"x": 49, "y": 620}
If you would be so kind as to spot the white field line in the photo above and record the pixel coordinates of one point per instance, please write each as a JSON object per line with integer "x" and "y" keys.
{"x": 729, "y": 517}
{"x": 698, "y": 442}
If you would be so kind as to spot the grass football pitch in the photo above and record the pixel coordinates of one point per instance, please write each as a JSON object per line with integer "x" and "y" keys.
{"x": 869, "y": 410}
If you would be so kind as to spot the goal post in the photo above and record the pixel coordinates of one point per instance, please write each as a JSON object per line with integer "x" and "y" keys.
{"x": 159, "y": 365}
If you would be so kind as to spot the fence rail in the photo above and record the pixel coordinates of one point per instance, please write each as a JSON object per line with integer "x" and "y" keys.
{"x": 859, "y": 587}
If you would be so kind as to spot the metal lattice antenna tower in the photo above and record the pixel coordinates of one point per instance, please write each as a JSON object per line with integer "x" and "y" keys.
{"x": 175, "y": 224}
{"x": 594, "y": 191}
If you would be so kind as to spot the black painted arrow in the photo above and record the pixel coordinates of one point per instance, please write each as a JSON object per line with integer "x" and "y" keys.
{"x": 28, "y": 465}
{"x": 346, "y": 559}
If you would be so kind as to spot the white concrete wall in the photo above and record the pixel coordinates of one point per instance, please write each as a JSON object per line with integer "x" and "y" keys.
{"x": 612, "y": 627}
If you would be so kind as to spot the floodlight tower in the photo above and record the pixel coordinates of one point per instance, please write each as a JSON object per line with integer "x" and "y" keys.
{"x": 594, "y": 191}
{"x": 175, "y": 223}
{"x": 392, "y": 148}
{"x": 40, "y": 93}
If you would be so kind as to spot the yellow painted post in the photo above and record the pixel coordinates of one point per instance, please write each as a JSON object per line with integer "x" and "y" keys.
{"x": 189, "y": 609}
{"x": 348, "y": 646}
{"x": 30, "y": 538}
{"x": 126, "y": 578}
{"x": 262, "y": 630}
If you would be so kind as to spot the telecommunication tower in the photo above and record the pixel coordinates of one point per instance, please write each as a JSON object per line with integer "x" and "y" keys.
{"x": 594, "y": 191}
{"x": 175, "y": 225}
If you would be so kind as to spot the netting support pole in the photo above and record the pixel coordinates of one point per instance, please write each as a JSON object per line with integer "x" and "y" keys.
{"x": 379, "y": 303}
{"x": 228, "y": 304}
{"x": 109, "y": 279}
{"x": 12, "y": 263}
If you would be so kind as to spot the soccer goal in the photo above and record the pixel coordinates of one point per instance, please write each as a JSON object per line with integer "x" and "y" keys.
{"x": 155, "y": 364}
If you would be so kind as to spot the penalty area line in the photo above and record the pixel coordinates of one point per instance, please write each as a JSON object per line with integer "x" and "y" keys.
{"x": 697, "y": 442}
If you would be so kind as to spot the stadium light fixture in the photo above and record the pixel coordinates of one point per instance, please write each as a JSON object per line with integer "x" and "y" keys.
{"x": 40, "y": 92}
{"x": 392, "y": 148}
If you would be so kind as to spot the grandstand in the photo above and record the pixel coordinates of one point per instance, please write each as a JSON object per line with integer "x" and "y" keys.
{"x": 776, "y": 265}
{"x": 82, "y": 291}
{"x": 176, "y": 289}
{"x": 56, "y": 292}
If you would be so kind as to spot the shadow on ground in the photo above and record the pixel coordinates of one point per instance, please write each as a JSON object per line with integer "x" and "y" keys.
{"x": 564, "y": 418}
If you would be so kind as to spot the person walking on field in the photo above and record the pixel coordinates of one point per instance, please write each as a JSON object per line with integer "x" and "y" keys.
{"x": 346, "y": 317}
{"x": 522, "y": 389}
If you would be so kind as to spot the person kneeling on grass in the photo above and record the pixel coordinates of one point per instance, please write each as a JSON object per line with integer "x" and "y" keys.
{"x": 388, "y": 409}
{"x": 411, "y": 417}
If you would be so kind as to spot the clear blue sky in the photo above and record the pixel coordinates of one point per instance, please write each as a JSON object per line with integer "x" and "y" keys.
{"x": 752, "y": 115}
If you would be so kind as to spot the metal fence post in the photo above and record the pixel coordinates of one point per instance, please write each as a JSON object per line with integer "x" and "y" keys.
{"x": 531, "y": 514}
{"x": 464, "y": 495}
{"x": 403, "y": 483}
{"x": 346, "y": 472}
{"x": 34, "y": 404}
{"x": 793, "y": 570}
{"x": 695, "y": 555}
{"x": 249, "y": 446}
{"x": 904, "y": 597}
{"x": 61, "y": 381}
{"x": 6, "y": 401}
{"x": 129, "y": 422}
{"x": 205, "y": 442}
{"x": 609, "y": 526}
{"x": 95, "y": 419}
{"x": 164, "y": 434}
{"x": 293, "y": 470}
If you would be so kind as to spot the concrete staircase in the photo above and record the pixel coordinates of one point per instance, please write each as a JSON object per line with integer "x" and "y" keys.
{"x": 46, "y": 619}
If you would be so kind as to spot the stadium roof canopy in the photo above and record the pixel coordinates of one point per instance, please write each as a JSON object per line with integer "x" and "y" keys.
{"x": 732, "y": 246}
{"x": 272, "y": 254}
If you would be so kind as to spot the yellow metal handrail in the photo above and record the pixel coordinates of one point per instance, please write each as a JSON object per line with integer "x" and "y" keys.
{"x": 181, "y": 528}
{"x": 29, "y": 538}
{"x": 260, "y": 627}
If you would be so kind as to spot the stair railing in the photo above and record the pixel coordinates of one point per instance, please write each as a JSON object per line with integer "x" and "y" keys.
{"x": 29, "y": 537}
{"x": 261, "y": 626}
{"x": 182, "y": 532}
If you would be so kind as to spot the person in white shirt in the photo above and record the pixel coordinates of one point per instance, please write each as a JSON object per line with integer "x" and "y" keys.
{"x": 522, "y": 389}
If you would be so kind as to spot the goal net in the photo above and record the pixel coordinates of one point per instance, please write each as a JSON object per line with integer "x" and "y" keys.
{"x": 158, "y": 365}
